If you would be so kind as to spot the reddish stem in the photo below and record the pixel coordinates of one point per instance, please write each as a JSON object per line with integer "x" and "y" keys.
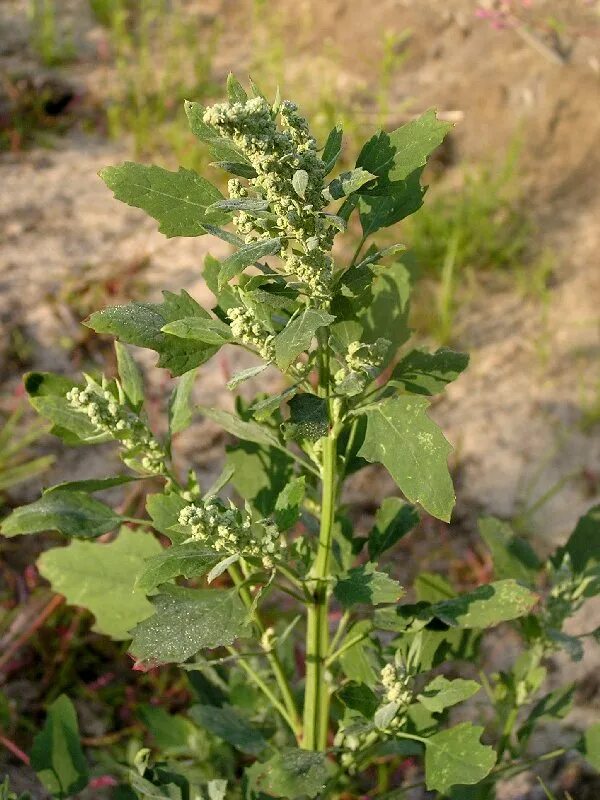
{"x": 16, "y": 751}
{"x": 28, "y": 633}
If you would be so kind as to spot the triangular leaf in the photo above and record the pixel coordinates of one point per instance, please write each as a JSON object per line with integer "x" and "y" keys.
{"x": 186, "y": 621}
{"x": 410, "y": 445}
{"x": 56, "y": 754}
{"x": 70, "y": 513}
{"x": 177, "y": 200}
{"x": 456, "y": 756}
{"x": 101, "y": 578}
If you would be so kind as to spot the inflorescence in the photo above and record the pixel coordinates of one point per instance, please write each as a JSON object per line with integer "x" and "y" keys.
{"x": 110, "y": 416}
{"x": 290, "y": 177}
{"x": 230, "y": 531}
{"x": 248, "y": 329}
{"x": 360, "y": 363}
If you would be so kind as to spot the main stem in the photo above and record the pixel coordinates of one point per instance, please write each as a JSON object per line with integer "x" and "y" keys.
{"x": 316, "y": 692}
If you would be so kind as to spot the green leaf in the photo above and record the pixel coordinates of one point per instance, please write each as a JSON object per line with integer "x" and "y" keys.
{"x": 432, "y": 588}
{"x": 248, "y": 431}
{"x": 487, "y": 605}
{"x": 395, "y": 156}
{"x": 300, "y": 182}
{"x": 56, "y": 754}
{"x": 287, "y": 507}
{"x": 130, "y": 376}
{"x": 260, "y": 474}
{"x": 364, "y": 585}
{"x": 555, "y": 705}
{"x": 92, "y": 484}
{"x": 583, "y": 545}
{"x": 442, "y": 693}
{"x": 170, "y": 732}
{"x": 410, "y": 445}
{"x": 347, "y": 182}
{"x": 251, "y": 204}
{"x": 101, "y": 578}
{"x": 164, "y": 511}
{"x": 429, "y": 373}
{"x": 394, "y": 519}
{"x": 513, "y": 557}
{"x": 190, "y": 560}
{"x": 309, "y": 418}
{"x": 245, "y": 256}
{"x": 186, "y": 621}
{"x": 291, "y": 773}
{"x": 332, "y": 149}
{"x": 456, "y": 756}
{"x": 360, "y": 662}
{"x": 70, "y": 513}
{"x": 227, "y": 723}
{"x": 265, "y": 408}
{"x": 386, "y": 315}
{"x": 296, "y": 337}
{"x": 235, "y": 90}
{"x": 378, "y": 211}
{"x": 484, "y": 607}
{"x": 141, "y": 324}
{"x": 359, "y": 697}
{"x": 245, "y": 375}
{"x": 235, "y": 168}
{"x": 180, "y": 409}
{"x": 177, "y": 200}
{"x": 589, "y": 746}
{"x": 209, "y": 331}
{"x": 47, "y": 394}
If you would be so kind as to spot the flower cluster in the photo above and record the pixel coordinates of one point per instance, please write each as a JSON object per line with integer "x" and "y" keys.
{"x": 289, "y": 176}
{"x": 397, "y": 685}
{"x": 228, "y": 530}
{"x": 109, "y": 415}
{"x": 359, "y": 364}
{"x": 249, "y": 330}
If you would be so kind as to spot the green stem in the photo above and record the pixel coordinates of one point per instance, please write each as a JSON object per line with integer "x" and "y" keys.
{"x": 316, "y": 696}
{"x": 357, "y": 251}
{"x": 509, "y": 724}
{"x": 272, "y": 657}
{"x": 343, "y": 624}
{"x": 346, "y": 646}
{"x": 255, "y": 677}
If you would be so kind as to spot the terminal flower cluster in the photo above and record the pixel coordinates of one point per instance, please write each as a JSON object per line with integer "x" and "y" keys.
{"x": 278, "y": 145}
{"x": 228, "y": 530}
{"x": 110, "y": 416}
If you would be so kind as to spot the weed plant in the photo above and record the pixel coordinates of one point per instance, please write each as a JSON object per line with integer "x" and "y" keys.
{"x": 314, "y": 670}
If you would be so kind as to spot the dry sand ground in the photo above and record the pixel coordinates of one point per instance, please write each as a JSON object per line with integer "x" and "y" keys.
{"x": 514, "y": 417}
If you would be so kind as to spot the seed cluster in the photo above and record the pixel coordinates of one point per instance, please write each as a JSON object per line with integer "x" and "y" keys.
{"x": 228, "y": 530}
{"x": 110, "y": 415}
{"x": 354, "y": 736}
{"x": 278, "y": 145}
{"x": 248, "y": 329}
{"x": 360, "y": 362}
{"x": 397, "y": 685}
